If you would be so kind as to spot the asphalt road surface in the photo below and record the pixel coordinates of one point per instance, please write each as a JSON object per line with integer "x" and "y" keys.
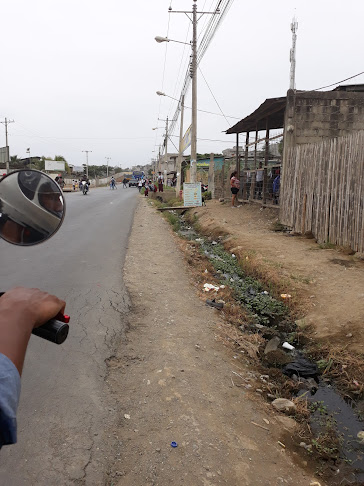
{"x": 65, "y": 403}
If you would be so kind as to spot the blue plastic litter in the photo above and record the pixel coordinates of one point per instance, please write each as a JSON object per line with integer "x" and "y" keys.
{"x": 174, "y": 444}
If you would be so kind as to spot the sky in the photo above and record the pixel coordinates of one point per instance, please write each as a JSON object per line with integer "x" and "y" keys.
{"x": 83, "y": 74}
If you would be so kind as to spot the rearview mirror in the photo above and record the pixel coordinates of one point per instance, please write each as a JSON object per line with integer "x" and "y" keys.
{"x": 32, "y": 207}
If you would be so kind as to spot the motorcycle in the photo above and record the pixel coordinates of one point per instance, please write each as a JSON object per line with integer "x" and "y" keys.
{"x": 32, "y": 209}
{"x": 84, "y": 188}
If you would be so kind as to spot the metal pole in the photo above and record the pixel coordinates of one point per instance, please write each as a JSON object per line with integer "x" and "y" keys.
{"x": 194, "y": 95}
{"x": 237, "y": 156}
{"x": 180, "y": 153}
{"x": 166, "y": 156}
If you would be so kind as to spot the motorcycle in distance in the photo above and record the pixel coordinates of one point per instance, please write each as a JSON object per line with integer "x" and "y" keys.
{"x": 84, "y": 187}
{"x": 32, "y": 209}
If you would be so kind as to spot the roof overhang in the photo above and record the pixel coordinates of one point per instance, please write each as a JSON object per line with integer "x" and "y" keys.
{"x": 270, "y": 114}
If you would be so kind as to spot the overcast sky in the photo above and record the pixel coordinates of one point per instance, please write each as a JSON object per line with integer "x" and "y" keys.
{"x": 82, "y": 74}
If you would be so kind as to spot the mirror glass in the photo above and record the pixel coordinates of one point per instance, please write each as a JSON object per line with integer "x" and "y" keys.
{"x": 32, "y": 207}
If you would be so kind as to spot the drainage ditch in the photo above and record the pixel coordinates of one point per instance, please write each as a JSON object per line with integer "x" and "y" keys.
{"x": 334, "y": 421}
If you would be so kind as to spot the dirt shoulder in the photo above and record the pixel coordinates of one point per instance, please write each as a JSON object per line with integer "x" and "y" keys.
{"x": 175, "y": 380}
{"x": 328, "y": 283}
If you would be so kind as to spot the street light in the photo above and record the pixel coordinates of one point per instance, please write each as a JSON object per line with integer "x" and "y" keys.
{"x": 160, "y": 39}
{"x": 87, "y": 152}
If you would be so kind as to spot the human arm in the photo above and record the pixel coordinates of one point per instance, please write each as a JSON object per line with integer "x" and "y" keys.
{"x": 22, "y": 309}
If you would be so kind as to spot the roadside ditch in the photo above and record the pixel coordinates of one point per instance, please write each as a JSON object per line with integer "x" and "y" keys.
{"x": 321, "y": 387}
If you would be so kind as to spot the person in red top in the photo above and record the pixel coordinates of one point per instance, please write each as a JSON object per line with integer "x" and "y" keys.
{"x": 235, "y": 186}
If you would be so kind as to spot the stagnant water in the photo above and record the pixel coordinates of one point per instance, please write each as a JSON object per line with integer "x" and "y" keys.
{"x": 266, "y": 310}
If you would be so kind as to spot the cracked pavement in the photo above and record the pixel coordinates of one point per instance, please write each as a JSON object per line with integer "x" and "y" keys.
{"x": 66, "y": 404}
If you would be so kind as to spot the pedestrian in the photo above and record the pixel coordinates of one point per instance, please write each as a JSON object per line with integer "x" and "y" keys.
{"x": 235, "y": 185}
{"x": 146, "y": 190}
{"x": 160, "y": 182}
{"x": 74, "y": 184}
{"x": 259, "y": 182}
{"x": 276, "y": 187}
{"x": 125, "y": 180}
{"x": 140, "y": 185}
{"x": 80, "y": 184}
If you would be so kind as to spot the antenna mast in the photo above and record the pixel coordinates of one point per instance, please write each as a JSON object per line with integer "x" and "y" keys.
{"x": 292, "y": 57}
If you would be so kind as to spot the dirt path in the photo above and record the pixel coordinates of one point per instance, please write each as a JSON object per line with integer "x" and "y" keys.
{"x": 174, "y": 381}
{"x": 331, "y": 282}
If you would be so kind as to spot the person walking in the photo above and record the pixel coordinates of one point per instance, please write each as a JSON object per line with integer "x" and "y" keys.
{"x": 235, "y": 186}
{"x": 125, "y": 180}
{"x": 160, "y": 182}
{"x": 140, "y": 185}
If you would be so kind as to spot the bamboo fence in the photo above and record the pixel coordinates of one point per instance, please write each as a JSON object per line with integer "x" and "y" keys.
{"x": 322, "y": 190}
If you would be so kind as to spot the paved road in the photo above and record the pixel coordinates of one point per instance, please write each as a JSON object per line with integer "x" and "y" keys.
{"x": 65, "y": 402}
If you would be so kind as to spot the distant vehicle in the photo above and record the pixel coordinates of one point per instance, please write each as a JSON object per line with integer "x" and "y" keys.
{"x": 138, "y": 174}
{"x": 133, "y": 182}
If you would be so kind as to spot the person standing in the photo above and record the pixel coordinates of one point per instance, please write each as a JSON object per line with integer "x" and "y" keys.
{"x": 160, "y": 182}
{"x": 235, "y": 186}
{"x": 140, "y": 185}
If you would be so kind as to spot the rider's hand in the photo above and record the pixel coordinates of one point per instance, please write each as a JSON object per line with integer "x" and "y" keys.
{"x": 22, "y": 309}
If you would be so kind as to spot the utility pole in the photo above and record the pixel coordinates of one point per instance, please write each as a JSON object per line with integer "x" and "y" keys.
{"x": 292, "y": 56}
{"x": 30, "y": 160}
{"x": 180, "y": 154}
{"x": 6, "y": 123}
{"x": 87, "y": 152}
{"x": 193, "y": 74}
{"x": 107, "y": 165}
{"x": 166, "y": 155}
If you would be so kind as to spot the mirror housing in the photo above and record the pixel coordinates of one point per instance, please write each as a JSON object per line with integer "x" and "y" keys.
{"x": 32, "y": 207}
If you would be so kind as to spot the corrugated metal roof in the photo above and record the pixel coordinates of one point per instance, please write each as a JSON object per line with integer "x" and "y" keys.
{"x": 273, "y": 108}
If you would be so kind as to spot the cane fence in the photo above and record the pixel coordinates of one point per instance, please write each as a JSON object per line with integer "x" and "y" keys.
{"x": 322, "y": 190}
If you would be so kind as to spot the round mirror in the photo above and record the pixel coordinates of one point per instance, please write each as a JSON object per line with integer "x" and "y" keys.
{"x": 32, "y": 207}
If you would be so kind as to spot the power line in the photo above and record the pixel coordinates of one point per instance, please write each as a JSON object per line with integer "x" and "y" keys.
{"x": 338, "y": 82}
{"x": 227, "y": 121}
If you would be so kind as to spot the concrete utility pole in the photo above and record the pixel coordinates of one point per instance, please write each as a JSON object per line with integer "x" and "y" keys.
{"x": 193, "y": 172}
{"x": 292, "y": 57}
{"x": 30, "y": 160}
{"x": 166, "y": 155}
{"x": 6, "y": 123}
{"x": 107, "y": 165}
{"x": 193, "y": 74}
{"x": 87, "y": 152}
{"x": 180, "y": 153}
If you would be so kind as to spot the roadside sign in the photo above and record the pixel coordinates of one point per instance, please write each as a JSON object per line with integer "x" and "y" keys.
{"x": 192, "y": 194}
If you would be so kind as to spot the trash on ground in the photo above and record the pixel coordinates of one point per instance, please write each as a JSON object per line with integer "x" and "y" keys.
{"x": 301, "y": 367}
{"x": 288, "y": 346}
{"x": 208, "y": 287}
{"x": 260, "y": 426}
{"x": 233, "y": 255}
{"x": 266, "y": 421}
{"x": 284, "y": 405}
{"x": 272, "y": 345}
{"x": 127, "y": 416}
{"x": 281, "y": 444}
{"x": 213, "y": 303}
{"x": 286, "y": 296}
{"x": 174, "y": 444}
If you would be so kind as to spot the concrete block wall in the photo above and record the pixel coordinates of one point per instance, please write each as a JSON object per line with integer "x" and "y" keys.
{"x": 312, "y": 116}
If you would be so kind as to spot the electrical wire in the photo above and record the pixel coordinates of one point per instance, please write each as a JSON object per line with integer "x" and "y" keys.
{"x": 342, "y": 81}
{"x": 227, "y": 121}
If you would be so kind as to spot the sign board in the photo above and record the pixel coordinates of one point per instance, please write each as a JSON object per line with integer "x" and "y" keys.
{"x": 192, "y": 194}
{"x": 54, "y": 165}
{"x": 4, "y": 155}
{"x": 186, "y": 141}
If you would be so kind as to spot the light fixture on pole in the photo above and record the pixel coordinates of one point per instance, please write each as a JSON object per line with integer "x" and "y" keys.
{"x": 193, "y": 74}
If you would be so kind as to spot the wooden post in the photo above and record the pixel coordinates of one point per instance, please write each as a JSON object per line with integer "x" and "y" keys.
{"x": 253, "y": 177}
{"x": 266, "y": 142}
{"x": 246, "y": 150}
{"x": 255, "y": 148}
{"x": 237, "y": 157}
{"x": 265, "y": 184}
